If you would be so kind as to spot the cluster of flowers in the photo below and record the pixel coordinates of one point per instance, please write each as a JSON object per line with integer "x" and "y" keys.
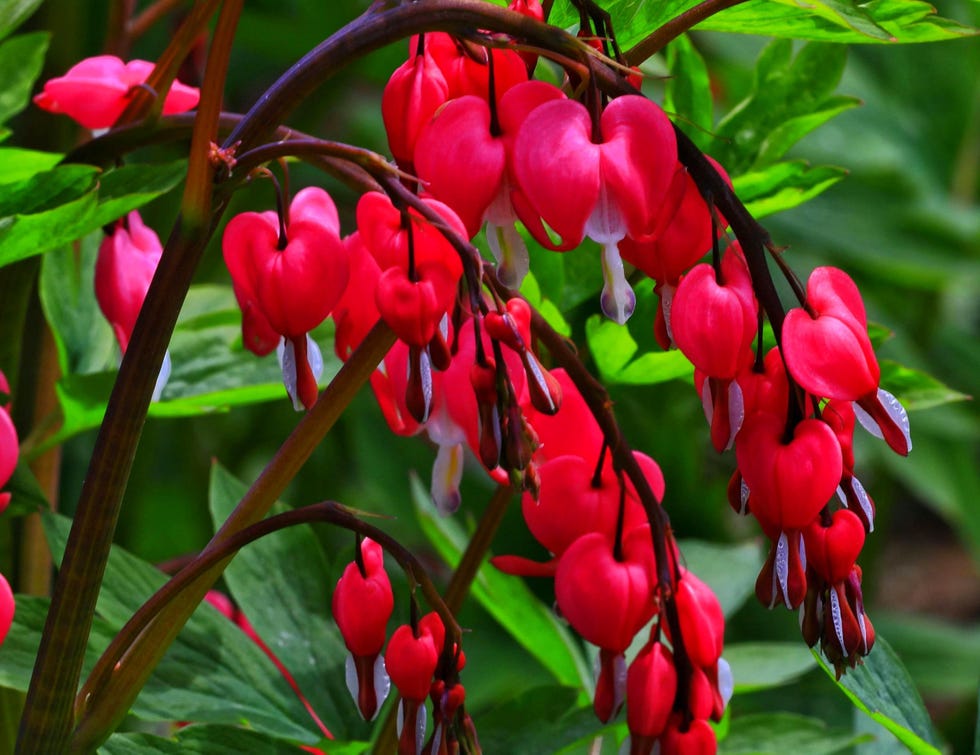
{"x": 421, "y": 660}
{"x": 791, "y": 417}
{"x": 9, "y": 451}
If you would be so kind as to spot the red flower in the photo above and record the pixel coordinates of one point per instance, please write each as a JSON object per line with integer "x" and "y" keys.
{"x": 7, "y": 607}
{"x": 95, "y": 91}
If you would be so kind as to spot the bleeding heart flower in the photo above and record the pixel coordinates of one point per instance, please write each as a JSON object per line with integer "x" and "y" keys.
{"x": 413, "y": 309}
{"x": 651, "y": 686}
{"x": 414, "y": 92}
{"x": 713, "y": 318}
{"x": 9, "y": 445}
{"x": 791, "y": 480}
{"x": 413, "y": 656}
{"x": 128, "y": 257}
{"x": 95, "y": 91}
{"x": 702, "y": 621}
{"x": 467, "y": 71}
{"x": 831, "y": 551}
{"x": 7, "y": 608}
{"x": 607, "y": 600}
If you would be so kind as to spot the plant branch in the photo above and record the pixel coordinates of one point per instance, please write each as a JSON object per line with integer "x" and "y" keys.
{"x": 138, "y": 26}
{"x": 651, "y": 45}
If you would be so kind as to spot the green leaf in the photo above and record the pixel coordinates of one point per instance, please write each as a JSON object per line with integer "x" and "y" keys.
{"x": 759, "y": 665}
{"x": 687, "y": 93}
{"x": 784, "y": 185}
{"x": 20, "y": 647}
{"x": 779, "y": 733}
{"x": 204, "y": 740}
{"x": 21, "y": 59}
{"x": 20, "y": 164}
{"x": 82, "y": 335}
{"x": 537, "y": 720}
{"x": 729, "y": 570}
{"x": 507, "y": 599}
{"x": 14, "y": 12}
{"x": 790, "y": 96}
{"x": 27, "y": 496}
{"x": 614, "y": 351}
{"x": 61, "y": 205}
{"x": 904, "y": 21}
{"x": 531, "y": 291}
{"x": 883, "y": 689}
{"x": 915, "y": 389}
{"x": 288, "y": 608}
{"x": 213, "y": 673}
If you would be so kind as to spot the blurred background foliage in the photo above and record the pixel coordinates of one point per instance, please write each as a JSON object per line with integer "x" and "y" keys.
{"x": 904, "y": 223}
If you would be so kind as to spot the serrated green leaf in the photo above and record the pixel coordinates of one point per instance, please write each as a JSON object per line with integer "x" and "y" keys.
{"x": 507, "y": 599}
{"x": 883, "y": 689}
{"x": 213, "y": 673}
{"x": 916, "y": 389}
{"x": 14, "y": 12}
{"x": 21, "y": 59}
{"x": 784, "y": 185}
{"x": 289, "y": 609}
{"x": 613, "y": 349}
{"x": 729, "y": 570}
{"x": 778, "y": 733}
{"x": 759, "y": 665}
{"x": 20, "y": 164}
{"x": 687, "y": 93}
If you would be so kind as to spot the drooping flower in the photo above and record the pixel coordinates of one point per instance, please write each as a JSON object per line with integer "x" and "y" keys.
{"x": 97, "y": 90}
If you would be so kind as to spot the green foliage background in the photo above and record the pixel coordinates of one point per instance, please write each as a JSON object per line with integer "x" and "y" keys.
{"x": 904, "y": 222}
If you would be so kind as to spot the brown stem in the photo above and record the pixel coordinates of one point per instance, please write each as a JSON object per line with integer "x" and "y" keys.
{"x": 138, "y": 26}
{"x": 651, "y": 45}
{"x": 117, "y": 39}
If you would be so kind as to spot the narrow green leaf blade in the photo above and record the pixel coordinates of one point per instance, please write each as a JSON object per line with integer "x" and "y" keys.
{"x": 20, "y": 164}
{"x": 784, "y": 185}
{"x": 916, "y": 389}
{"x": 883, "y": 689}
{"x": 687, "y": 93}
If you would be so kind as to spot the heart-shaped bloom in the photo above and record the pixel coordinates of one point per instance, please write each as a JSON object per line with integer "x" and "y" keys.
{"x": 412, "y": 656}
{"x": 788, "y": 481}
{"x": 9, "y": 446}
{"x": 651, "y": 685}
{"x": 128, "y": 257}
{"x": 414, "y": 92}
{"x": 7, "y": 608}
{"x": 831, "y": 551}
{"x": 95, "y": 91}
{"x": 702, "y": 621}
{"x": 607, "y": 600}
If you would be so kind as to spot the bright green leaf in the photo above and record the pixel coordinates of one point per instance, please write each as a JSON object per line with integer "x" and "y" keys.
{"x": 915, "y": 389}
{"x": 784, "y": 185}
{"x": 687, "y": 93}
{"x": 758, "y": 665}
{"x": 507, "y": 599}
{"x": 288, "y": 608}
{"x": 883, "y": 689}
{"x": 21, "y": 58}
{"x": 779, "y": 733}
{"x": 20, "y": 164}
{"x": 789, "y": 132}
{"x": 614, "y": 351}
{"x": 14, "y": 12}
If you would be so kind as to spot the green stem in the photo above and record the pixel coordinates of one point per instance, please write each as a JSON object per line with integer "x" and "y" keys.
{"x": 109, "y": 691}
{"x": 47, "y": 722}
